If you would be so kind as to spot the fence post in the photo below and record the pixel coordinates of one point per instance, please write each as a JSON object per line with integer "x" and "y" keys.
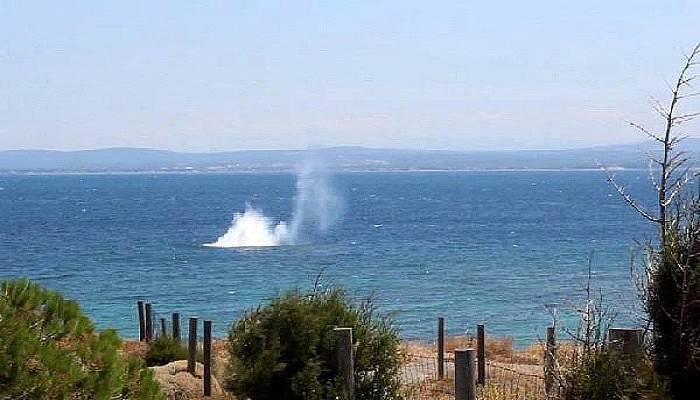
{"x": 441, "y": 348}
{"x": 627, "y": 341}
{"x": 142, "y": 321}
{"x": 346, "y": 364}
{"x": 176, "y": 326}
{"x": 192, "y": 346}
{"x": 550, "y": 361}
{"x": 163, "y": 330}
{"x": 149, "y": 322}
{"x": 465, "y": 378}
{"x": 481, "y": 354}
{"x": 207, "y": 358}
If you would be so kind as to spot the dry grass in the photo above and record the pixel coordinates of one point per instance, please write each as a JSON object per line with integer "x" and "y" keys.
{"x": 513, "y": 373}
{"x": 497, "y": 349}
{"x": 134, "y": 348}
{"x": 220, "y": 358}
{"x": 493, "y": 392}
{"x": 423, "y": 392}
{"x": 439, "y": 391}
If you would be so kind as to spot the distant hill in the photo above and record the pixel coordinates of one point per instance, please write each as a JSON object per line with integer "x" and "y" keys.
{"x": 341, "y": 158}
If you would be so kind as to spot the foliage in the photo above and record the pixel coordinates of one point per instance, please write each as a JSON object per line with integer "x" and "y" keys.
{"x": 673, "y": 302}
{"x": 50, "y": 350}
{"x": 595, "y": 369}
{"x": 606, "y": 375}
{"x": 286, "y": 349}
{"x": 165, "y": 349}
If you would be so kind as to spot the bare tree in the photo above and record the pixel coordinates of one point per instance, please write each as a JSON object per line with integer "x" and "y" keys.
{"x": 670, "y": 284}
{"x": 669, "y": 182}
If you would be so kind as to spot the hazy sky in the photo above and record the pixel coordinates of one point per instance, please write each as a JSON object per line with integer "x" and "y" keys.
{"x": 210, "y": 75}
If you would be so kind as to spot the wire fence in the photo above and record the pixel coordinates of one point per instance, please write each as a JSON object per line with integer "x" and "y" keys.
{"x": 503, "y": 381}
{"x": 513, "y": 381}
{"x": 420, "y": 378}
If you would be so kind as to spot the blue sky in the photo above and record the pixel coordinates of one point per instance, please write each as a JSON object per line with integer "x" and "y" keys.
{"x": 210, "y": 76}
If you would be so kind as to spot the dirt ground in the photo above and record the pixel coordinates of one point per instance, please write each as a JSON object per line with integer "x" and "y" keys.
{"x": 179, "y": 385}
{"x": 176, "y": 383}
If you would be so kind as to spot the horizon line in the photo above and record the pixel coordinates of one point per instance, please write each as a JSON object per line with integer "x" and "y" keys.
{"x": 436, "y": 150}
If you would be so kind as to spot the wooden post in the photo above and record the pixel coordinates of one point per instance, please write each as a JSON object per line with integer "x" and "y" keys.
{"x": 207, "y": 358}
{"x": 481, "y": 354}
{"x": 550, "y": 361}
{"x": 163, "y": 330}
{"x": 149, "y": 322}
{"x": 176, "y": 326}
{"x": 346, "y": 367}
{"x": 627, "y": 341}
{"x": 192, "y": 346}
{"x": 465, "y": 377}
{"x": 441, "y": 348}
{"x": 142, "y": 321}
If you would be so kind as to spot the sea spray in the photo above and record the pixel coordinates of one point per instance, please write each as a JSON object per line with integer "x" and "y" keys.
{"x": 316, "y": 208}
{"x": 253, "y": 229}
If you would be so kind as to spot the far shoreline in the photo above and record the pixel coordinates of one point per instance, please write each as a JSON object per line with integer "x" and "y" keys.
{"x": 293, "y": 171}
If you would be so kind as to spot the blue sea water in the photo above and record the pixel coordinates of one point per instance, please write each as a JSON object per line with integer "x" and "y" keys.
{"x": 491, "y": 247}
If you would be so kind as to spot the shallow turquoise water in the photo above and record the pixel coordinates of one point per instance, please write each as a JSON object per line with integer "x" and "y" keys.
{"x": 471, "y": 246}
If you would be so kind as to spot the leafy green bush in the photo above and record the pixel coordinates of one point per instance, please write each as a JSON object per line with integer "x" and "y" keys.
{"x": 165, "y": 349}
{"x": 50, "y": 350}
{"x": 286, "y": 349}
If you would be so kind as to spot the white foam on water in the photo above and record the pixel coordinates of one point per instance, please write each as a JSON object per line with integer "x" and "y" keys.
{"x": 253, "y": 229}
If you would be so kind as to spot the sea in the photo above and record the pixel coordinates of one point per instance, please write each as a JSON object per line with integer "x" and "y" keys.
{"x": 509, "y": 249}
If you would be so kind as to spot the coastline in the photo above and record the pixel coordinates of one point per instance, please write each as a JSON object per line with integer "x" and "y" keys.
{"x": 293, "y": 171}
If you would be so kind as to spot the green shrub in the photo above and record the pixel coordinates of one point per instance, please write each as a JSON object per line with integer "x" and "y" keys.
{"x": 598, "y": 376}
{"x": 607, "y": 375}
{"x": 165, "y": 349}
{"x": 50, "y": 350}
{"x": 672, "y": 300}
{"x": 286, "y": 349}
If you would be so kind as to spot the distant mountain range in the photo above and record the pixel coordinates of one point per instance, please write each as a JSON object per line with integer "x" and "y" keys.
{"x": 341, "y": 158}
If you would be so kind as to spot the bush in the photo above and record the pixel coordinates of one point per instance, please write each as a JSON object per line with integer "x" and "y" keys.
{"x": 596, "y": 369}
{"x": 600, "y": 375}
{"x": 286, "y": 349}
{"x": 165, "y": 349}
{"x": 50, "y": 350}
{"x": 673, "y": 303}
{"x": 606, "y": 374}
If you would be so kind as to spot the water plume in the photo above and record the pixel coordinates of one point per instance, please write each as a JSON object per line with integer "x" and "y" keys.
{"x": 253, "y": 229}
{"x": 316, "y": 209}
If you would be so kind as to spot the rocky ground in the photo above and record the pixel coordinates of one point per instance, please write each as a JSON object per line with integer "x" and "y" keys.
{"x": 178, "y": 384}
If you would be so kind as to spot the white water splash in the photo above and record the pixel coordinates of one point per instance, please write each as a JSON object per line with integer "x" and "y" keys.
{"x": 316, "y": 209}
{"x": 253, "y": 229}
